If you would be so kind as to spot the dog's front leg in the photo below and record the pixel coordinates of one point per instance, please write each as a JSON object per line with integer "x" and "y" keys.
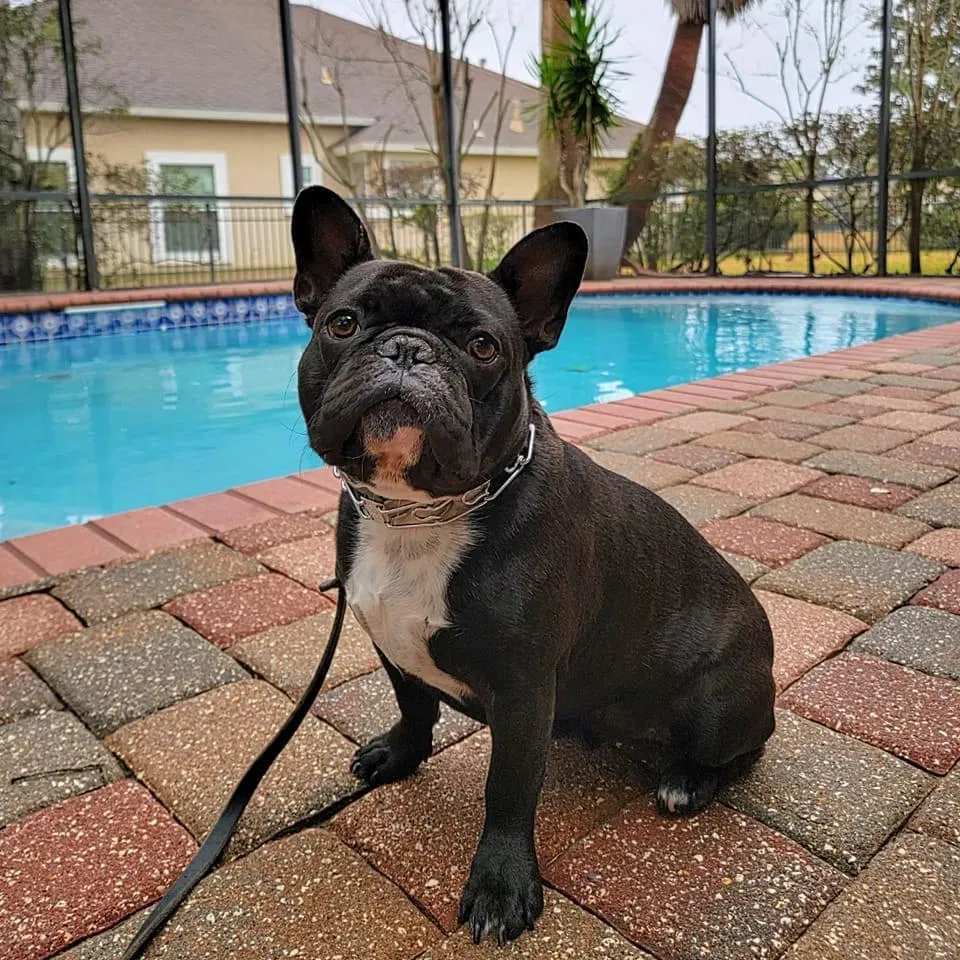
{"x": 504, "y": 894}
{"x": 398, "y": 752}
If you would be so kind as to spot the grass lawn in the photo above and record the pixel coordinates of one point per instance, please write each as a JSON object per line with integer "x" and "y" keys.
{"x": 934, "y": 263}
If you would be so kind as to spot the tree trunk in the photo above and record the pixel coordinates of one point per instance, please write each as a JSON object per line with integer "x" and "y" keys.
{"x": 644, "y": 166}
{"x": 915, "y": 200}
{"x": 548, "y": 147}
{"x": 811, "y": 162}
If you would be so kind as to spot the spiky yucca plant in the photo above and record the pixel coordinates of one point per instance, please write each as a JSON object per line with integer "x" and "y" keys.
{"x": 576, "y": 75}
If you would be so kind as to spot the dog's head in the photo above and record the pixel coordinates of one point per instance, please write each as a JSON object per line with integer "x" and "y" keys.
{"x": 414, "y": 382}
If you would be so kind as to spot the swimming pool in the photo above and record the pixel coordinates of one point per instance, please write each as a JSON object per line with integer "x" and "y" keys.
{"x": 109, "y": 423}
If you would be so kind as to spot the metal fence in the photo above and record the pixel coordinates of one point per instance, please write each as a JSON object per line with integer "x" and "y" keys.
{"x": 146, "y": 241}
{"x": 819, "y": 227}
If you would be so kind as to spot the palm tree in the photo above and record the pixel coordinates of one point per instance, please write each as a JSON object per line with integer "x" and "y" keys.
{"x": 576, "y": 76}
{"x": 643, "y": 170}
{"x": 554, "y": 16}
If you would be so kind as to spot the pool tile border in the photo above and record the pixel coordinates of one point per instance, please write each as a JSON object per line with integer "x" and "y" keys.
{"x": 164, "y": 313}
{"x": 79, "y": 314}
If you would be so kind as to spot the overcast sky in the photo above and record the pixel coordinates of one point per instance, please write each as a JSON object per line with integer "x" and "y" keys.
{"x": 647, "y": 30}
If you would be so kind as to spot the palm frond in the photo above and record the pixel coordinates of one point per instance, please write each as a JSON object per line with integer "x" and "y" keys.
{"x": 697, "y": 11}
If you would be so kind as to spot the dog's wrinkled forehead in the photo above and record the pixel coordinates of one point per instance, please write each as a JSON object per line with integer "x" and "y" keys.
{"x": 446, "y": 302}
{"x": 537, "y": 278}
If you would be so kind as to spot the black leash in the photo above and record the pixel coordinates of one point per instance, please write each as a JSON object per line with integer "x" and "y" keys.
{"x": 210, "y": 852}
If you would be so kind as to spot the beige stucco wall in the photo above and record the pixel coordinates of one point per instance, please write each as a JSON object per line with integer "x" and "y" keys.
{"x": 253, "y": 151}
{"x": 255, "y": 236}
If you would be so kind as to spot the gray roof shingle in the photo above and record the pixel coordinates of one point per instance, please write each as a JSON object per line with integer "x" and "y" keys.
{"x": 191, "y": 57}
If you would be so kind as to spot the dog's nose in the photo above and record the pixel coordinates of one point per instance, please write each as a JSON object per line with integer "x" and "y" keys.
{"x": 405, "y": 350}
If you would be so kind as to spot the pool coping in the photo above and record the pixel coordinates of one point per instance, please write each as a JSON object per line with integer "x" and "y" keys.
{"x": 114, "y": 538}
{"x": 918, "y": 288}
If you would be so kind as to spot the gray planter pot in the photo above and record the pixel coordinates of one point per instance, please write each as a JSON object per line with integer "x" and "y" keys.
{"x": 606, "y": 229}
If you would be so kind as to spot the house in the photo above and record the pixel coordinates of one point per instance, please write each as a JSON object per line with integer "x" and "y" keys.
{"x": 199, "y": 85}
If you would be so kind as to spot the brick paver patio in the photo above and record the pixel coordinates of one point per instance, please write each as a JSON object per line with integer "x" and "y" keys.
{"x": 134, "y": 691}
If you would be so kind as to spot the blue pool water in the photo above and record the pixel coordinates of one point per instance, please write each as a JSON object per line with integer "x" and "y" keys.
{"x": 109, "y": 423}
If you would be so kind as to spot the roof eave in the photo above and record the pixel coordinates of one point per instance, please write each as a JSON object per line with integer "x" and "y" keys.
{"x": 217, "y": 116}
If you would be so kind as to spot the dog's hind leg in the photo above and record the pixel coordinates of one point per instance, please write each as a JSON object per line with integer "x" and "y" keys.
{"x": 685, "y": 787}
{"x": 720, "y": 732}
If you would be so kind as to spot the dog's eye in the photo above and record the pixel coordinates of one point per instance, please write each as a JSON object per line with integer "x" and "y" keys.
{"x": 482, "y": 347}
{"x": 342, "y": 325}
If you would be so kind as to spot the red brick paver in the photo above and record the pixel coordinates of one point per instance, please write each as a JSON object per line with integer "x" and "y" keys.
{"x": 771, "y": 543}
{"x": 736, "y": 888}
{"x": 944, "y": 594}
{"x": 15, "y": 570}
{"x": 912, "y": 422}
{"x": 707, "y": 422}
{"x": 942, "y": 545}
{"x": 27, "y": 621}
{"x": 759, "y": 479}
{"x": 289, "y": 495}
{"x": 695, "y": 457}
{"x": 222, "y": 511}
{"x": 149, "y": 529}
{"x": 77, "y": 868}
{"x": 269, "y": 533}
{"x": 862, "y": 438}
{"x": 804, "y": 634}
{"x": 309, "y": 561}
{"x": 239, "y": 609}
{"x": 860, "y": 492}
{"x": 945, "y": 438}
{"x": 911, "y": 714}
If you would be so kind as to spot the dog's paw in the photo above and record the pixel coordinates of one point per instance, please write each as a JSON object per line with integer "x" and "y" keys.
{"x": 685, "y": 791}
{"x": 504, "y": 895}
{"x": 391, "y": 756}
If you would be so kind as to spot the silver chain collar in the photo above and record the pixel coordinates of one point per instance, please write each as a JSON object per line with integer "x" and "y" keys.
{"x": 434, "y": 513}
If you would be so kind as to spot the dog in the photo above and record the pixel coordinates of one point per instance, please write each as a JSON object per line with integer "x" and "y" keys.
{"x": 496, "y": 567}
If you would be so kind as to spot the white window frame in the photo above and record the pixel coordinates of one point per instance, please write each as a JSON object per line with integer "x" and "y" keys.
{"x": 286, "y": 174}
{"x": 62, "y": 155}
{"x": 155, "y": 160}
{"x": 56, "y": 155}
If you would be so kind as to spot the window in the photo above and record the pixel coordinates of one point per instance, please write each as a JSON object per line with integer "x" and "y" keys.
{"x": 312, "y": 173}
{"x": 54, "y": 225}
{"x": 183, "y": 228}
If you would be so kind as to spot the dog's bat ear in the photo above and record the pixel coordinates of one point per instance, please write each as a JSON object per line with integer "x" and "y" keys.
{"x": 541, "y": 275}
{"x": 328, "y": 239}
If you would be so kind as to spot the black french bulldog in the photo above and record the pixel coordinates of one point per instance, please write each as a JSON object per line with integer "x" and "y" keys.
{"x": 496, "y": 567}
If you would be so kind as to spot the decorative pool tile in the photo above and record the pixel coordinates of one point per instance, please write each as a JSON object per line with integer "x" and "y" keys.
{"x": 75, "y": 322}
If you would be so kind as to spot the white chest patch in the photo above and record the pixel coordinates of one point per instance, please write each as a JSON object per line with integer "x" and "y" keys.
{"x": 397, "y": 589}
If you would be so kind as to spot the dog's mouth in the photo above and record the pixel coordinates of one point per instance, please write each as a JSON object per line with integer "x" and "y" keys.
{"x": 386, "y": 444}
{"x": 391, "y": 435}
{"x": 405, "y": 437}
